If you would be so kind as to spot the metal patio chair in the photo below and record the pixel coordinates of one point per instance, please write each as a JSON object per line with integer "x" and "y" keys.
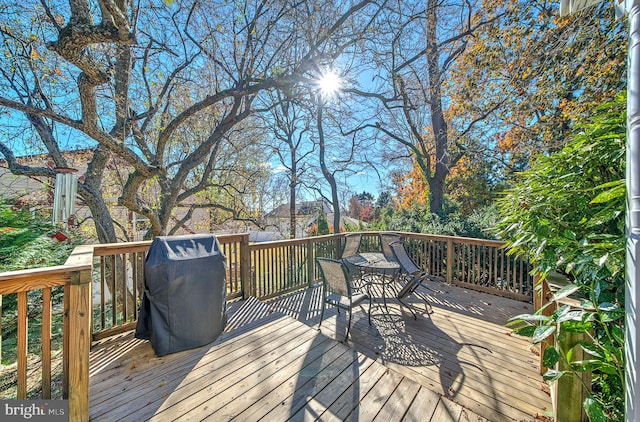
{"x": 386, "y": 239}
{"x": 412, "y": 275}
{"x": 351, "y": 245}
{"x": 337, "y": 290}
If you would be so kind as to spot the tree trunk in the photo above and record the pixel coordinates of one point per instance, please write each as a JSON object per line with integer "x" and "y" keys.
{"x": 436, "y": 180}
{"x": 292, "y": 195}
{"x": 91, "y": 192}
{"x": 327, "y": 174}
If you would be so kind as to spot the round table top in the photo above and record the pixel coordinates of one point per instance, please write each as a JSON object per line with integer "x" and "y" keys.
{"x": 372, "y": 260}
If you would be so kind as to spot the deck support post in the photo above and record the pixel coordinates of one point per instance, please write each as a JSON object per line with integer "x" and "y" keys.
{"x": 571, "y": 386}
{"x": 541, "y": 296}
{"x": 77, "y": 344}
{"x": 450, "y": 258}
{"x": 310, "y": 262}
{"x": 247, "y": 277}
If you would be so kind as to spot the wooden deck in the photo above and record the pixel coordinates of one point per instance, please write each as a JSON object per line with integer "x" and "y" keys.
{"x": 462, "y": 350}
{"x": 271, "y": 365}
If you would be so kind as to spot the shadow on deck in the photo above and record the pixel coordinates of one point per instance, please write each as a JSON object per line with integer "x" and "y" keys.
{"x": 451, "y": 365}
{"x": 461, "y": 350}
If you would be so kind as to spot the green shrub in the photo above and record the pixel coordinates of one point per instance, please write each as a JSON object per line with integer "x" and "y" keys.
{"x": 419, "y": 220}
{"x": 567, "y": 213}
{"x": 25, "y": 240}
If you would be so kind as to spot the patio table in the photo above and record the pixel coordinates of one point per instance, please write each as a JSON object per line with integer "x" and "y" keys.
{"x": 376, "y": 269}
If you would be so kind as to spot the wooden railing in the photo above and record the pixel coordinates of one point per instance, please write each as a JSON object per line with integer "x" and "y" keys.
{"x": 75, "y": 279}
{"x": 477, "y": 264}
{"x": 103, "y": 286}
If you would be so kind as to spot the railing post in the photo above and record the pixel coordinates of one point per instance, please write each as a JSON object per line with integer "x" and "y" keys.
{"x": 310, "y": 261}
{"x": 541, "y": 296}
{"x": 450, "y": 258}
{"x": 569, "y": 391}
{"x": 248, "y": 288}
{"x": 77, "y": 341}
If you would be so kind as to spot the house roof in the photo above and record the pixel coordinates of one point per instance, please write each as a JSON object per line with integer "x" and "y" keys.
{"x": 264, "y": 236}
{"x": 303, "y": 208}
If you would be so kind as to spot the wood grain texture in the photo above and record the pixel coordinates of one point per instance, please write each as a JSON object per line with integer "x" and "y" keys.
{"x": 461, "y": 351}
{"x": 79, "y": 345}
{"x": 265, "y": 366}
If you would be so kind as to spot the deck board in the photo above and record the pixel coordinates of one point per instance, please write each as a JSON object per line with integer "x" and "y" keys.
{"x": 272, "y": 363}
{"x": 423, "y": 406}
{"x": 267, "y": 368}
{"x": 399, "y": 401}
{"x": 349, "y": 400}
{"x": 462, "y": 350}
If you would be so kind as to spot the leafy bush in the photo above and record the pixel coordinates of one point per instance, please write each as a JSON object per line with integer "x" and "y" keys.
{"x": 418, "y": 219}
{"x": 567, "y": 213}
{"x": 25, "y": 240}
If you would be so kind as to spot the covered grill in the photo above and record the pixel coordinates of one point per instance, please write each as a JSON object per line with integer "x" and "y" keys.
{"x": 184, "y": 303}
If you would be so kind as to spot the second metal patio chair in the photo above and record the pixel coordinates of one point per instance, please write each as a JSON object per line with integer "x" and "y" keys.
{"x": 337, "y": 290}
{"x": 351, "y": 246}
{"x": 386, "y": 239}
{"x": 412, "y": 275}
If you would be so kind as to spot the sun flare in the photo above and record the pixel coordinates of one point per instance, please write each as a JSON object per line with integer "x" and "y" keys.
{"x": 329, "y": 84}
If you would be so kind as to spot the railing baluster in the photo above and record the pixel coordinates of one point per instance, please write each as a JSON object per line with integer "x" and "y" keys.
{"x": 22, "y": 344}
{"x": 45, "y": 336}
{"x": 275, "y": 283}
{"x": 258, "y": 272}
{"x": 502, "y": 266}
{"x": 495, "y": 269}
{"x": 271, "y": 270}
{"x": 247, "y": 271}
{"x": 280, "y": 256}
{"x": 261, "y": 273}
{"x": 125, "y": 291}
{"x": 467, "y": 260}
{"x": 523, "y": 276}
{"x": 508, "y": 275}
{"x": 103, "y": 287}
{"x": 478, "y": 249}
{"x": 134, "y": 280}
{"x": 235, "y": 267}
{"x": 112, "y": 286}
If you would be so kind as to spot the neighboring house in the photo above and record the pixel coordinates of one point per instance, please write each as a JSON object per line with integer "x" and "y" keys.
{"x": 257, "y": 237}
{"x": 307, "y": 212}
{"x": 278, "y": 220}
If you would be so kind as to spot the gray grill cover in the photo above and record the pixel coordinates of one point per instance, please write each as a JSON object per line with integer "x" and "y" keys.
{"x": 184, "y": 305}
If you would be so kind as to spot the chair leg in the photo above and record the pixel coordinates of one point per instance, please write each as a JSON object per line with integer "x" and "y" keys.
{"x": 348, "y": 324}
{"x": 322, "y": 314}
{"x": 415, "y": 317}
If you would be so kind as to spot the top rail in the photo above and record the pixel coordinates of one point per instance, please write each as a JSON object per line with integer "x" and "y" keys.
{"x": 38, "y": 278}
